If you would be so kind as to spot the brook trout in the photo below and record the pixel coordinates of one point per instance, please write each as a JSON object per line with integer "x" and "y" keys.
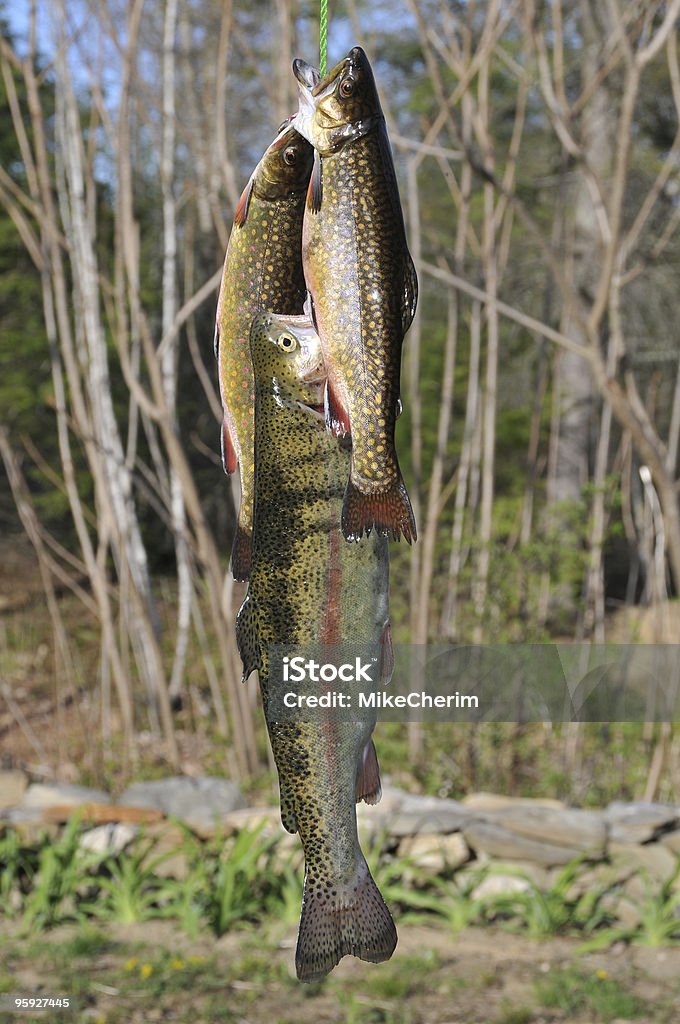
{"x": 307, "y": 586}
{"x": 262, "y": 270}
{"x": 362, "y": 282}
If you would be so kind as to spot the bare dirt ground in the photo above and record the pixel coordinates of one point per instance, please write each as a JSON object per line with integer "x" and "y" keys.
{"x": 153, "y": 972}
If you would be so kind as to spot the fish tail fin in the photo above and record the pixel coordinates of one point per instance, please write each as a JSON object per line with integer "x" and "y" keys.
{"x": 241, "y": 554}
{"x": 389, "y": 512}
{"x": 353, "y": 922}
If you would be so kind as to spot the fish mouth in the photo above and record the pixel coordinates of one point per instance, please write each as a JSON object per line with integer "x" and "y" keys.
{"x": 315, "y": 407}
{"x": 306, "y": 75}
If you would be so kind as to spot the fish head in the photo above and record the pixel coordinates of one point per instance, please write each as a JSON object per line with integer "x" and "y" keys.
{"x": 286, "y": 166}
{"x": 346, "y": 96}
{"x": 287, "y": 360}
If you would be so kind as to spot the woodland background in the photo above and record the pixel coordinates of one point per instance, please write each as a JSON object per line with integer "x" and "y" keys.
{"x": 538, "y": 151}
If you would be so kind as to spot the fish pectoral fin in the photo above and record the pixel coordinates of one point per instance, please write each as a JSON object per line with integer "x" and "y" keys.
{"x": 353, "y": 921}
{"x": 229, "y": 456}
{"x": 216, "y": 339}
{"x": 337, "y": 416}
{"x": 315, "y": 188}
{"x": 243, "y": 205}
{"x": 368, "y": 786}
{"x": 246, "y": 638}
{"x": 241, "y": 554}
{"x": 410, "y": 294}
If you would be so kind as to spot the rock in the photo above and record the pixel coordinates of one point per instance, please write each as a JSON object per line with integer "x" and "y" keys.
{"x": 268, "y": 818}
{"x": 28, "y": 823}
{"x": 625, "y": 912}
{"x": 434, "y": 852}
{"x": 500, "y": 885}
{"x": 671, "y": 840}
{"x": 201, "y": 803}
{"x": 43, "y": 794}
{"x": 494, "y": 802}
{"x": 638, "y": 822}
{"x": 110, "y": 838}
{"x": 653, "y": 858}
{"x": 423, "y": 814}
{"x": 499, "y": 842}
{"x": 581, "y": 831}
{"x": 539, "y": 875}
{"x": 102, "y": 814}
{"x": 12, "y": 788}
{"x": 169, "y": 844}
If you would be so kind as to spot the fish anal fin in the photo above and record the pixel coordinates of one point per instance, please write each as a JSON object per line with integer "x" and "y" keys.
{"x": 288, "y": 816}
{"x": 243, "y": 205}
{"x": 368, "y": 786}
{"x": 241, "y": 554}
{"x": 354, "y": 921}
{"x": 229, "y": 456}
{"x": 386, "y": 654}
{"x": 337, "y": 416}
{"x": 246, "y": 638}
{"x": 388, "y": 511}
{"x": 315, "y": 188}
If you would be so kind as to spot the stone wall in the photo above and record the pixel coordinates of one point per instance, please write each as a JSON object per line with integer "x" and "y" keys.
{"x": 519, "y": 842}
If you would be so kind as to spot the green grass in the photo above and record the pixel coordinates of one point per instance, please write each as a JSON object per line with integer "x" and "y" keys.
{"x": 573, "y": 991}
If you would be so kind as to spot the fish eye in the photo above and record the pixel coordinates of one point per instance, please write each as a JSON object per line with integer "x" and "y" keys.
{"x": 290, "y": 156}
{"x": 286, "y": 342}
{"x": 347, "y": 87}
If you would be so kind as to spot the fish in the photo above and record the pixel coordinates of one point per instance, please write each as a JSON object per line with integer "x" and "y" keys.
{"x": 307, "y": 586}
{"x": 262, "y": 270}
{"x": 362, "y": 283}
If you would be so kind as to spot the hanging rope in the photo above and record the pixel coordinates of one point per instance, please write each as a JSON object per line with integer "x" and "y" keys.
{"x": 323, "y": 36}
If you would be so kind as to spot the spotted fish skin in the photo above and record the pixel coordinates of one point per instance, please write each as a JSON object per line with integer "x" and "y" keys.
{"x": 262, "y": 270}
{"x": 307, "y": 586}
{"x": 362, "y": 282}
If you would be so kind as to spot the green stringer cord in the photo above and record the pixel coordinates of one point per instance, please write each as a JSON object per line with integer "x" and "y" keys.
{"x": 323, "y": 37}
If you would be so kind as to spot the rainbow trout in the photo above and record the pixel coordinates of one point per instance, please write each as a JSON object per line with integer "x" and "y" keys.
{"x": 262, "y": 270}
{"x": 307, "y": 586}
{"x": 362, "y": 282}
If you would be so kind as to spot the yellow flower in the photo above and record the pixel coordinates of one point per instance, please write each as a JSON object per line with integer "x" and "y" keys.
{"x": 145, "y": 971}
{"x": 193, "y": 959}
{"x": 601, "y": 974}
{"x": 130, "y": 964}
{"x": 176, "y": 964}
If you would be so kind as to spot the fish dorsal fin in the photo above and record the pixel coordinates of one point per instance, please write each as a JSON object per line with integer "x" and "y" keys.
{"x": 247, "y": 639}
{"x": 410, "y": 294}
{"x": 315, "y": 190}
{"x": 243, "y": 205}
{"x": 368, "y": 786}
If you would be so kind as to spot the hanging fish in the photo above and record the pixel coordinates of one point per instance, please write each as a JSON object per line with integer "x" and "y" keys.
{"x": 307, "y": 586}
{"x": 362, "y": 283}
{"x": 262, "y": 270}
